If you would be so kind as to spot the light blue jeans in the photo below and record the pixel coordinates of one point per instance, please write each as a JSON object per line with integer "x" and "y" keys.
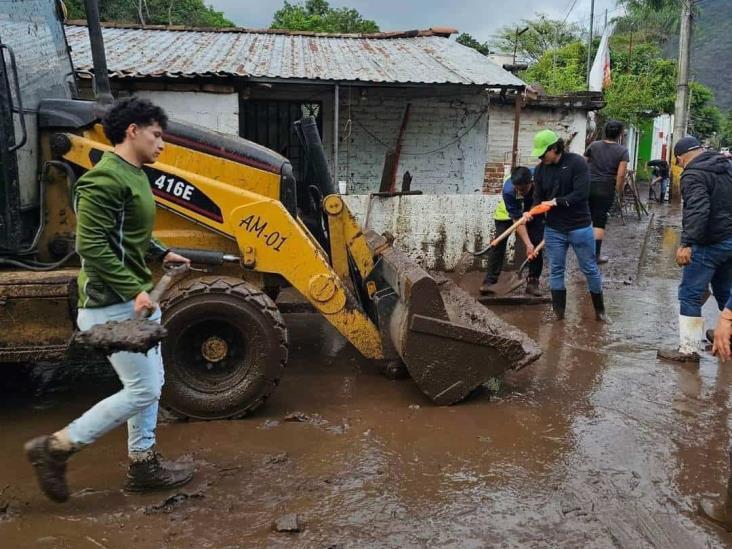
{"x": 137, "y": 403}
{"x": 583, "y": 244}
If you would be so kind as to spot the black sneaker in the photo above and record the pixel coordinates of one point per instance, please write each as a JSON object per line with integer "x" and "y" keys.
{"x": 152, "y": 473}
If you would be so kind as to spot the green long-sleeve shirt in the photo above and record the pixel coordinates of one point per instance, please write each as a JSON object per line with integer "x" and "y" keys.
{"x": 115, "y": 213}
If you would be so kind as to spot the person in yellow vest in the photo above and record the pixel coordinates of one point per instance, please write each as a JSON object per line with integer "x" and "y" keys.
{"x": 517, "y": 198}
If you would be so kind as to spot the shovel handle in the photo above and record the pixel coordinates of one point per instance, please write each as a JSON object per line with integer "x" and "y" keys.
{"x": 173, "y": 273}
{"x": 526, "y": 261}
{"x": 505, "y": 234}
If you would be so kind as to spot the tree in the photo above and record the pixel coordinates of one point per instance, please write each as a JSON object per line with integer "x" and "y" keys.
{"x": 543, "y": 34}
{"x": 652, "y": 20}
{"x": 643, "y": 84}
{"x": 467, "y": 40}
{"x": 725, "y": 131}
{"x": 705, "y": 119}
{"x": 562, "y": 70}
{"x": 190, "y": 13}
{"x": 318, "y": 16}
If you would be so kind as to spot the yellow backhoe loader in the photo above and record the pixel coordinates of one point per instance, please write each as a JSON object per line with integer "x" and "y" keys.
{"x": 232, "y": 206}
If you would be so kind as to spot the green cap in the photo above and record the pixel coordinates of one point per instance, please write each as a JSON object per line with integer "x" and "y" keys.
{"x": 542, "y": 141}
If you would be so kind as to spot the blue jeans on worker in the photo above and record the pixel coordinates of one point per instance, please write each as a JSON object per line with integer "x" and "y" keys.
{"x": 710, "y": 264}
{"x": 583, "y": 244}
{"x": 142, "y": 379}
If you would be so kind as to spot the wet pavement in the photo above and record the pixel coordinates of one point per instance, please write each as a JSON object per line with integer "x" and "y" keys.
{"x": 598, "y": 444}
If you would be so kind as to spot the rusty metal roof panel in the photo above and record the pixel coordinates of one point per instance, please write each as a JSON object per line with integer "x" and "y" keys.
{"x": 421, "y": 58}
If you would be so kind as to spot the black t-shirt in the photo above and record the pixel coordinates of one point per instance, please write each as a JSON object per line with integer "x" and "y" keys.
{"x": 604, "y": 159}
{"x": 569, "y": 182}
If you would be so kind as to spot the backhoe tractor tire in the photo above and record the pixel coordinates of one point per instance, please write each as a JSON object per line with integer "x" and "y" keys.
{"x": 225, "y": 351}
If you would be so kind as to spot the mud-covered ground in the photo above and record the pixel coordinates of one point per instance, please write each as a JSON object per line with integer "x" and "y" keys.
{"x": 598, "y": 444}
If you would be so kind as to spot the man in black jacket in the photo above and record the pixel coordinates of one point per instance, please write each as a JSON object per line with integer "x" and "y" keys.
{"x": 562, "y": 180}
{"x": 706, "y": 241}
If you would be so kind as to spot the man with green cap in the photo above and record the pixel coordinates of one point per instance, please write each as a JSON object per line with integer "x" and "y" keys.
{"x": 562, "y": 180}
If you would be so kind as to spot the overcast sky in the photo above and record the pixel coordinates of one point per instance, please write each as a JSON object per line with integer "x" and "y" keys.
{"x": 480, "y": 18}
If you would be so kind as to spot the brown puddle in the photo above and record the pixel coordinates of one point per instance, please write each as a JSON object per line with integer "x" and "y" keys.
{"x": 597, "y": 444}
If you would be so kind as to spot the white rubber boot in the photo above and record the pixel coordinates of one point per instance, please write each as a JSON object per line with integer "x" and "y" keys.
{"x": 691, "y": 333}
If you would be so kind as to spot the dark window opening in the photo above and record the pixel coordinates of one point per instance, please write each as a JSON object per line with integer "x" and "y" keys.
{"x": 269, "y": 123}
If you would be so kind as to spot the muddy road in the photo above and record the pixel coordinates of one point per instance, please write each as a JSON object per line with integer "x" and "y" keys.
{"x": 598, "y": 444}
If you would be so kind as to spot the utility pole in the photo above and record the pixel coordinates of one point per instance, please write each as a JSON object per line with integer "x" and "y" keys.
{"x": 681, "y": 110}
{"x": 589, "y": 43}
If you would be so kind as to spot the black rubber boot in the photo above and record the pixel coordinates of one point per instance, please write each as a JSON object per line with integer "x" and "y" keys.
{"x": 150, "y": 473}
{"x": 532, "y": 287}
{"x": 50, "y": 467}
{"x": 559, "y": 303}
{"x": 485, "y": 288}
{"x": 598, "y": 303}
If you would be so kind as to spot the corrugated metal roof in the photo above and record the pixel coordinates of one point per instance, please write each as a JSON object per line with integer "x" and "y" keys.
{"x": 420, "y": 57}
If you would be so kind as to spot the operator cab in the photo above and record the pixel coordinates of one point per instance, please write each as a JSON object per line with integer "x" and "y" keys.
{"x": 35, "y": 59}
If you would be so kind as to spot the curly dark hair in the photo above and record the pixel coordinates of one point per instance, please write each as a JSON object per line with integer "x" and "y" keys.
{"x": 131, "y": 110}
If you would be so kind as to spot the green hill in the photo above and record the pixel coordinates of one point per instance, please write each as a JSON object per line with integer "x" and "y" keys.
{"x": 711, "y": 58}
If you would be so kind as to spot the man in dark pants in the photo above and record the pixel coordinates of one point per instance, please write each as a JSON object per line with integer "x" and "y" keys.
{"x": 516, "y": 199}
{"x": 608, "y": 161}
{"x": 562, "y": 181}
{"x": 706, "y": 242}
{"x": 661, "y": 173}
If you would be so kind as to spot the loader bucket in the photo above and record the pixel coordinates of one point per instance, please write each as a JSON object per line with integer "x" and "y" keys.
{"x": 450, "y": 343}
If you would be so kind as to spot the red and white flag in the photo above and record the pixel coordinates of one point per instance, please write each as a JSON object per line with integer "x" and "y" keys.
{"x": 600, "y": 77}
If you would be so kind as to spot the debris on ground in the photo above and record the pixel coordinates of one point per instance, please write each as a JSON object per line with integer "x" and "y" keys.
{"x": 287, "y": 523}
{"x": 271, "y": 459}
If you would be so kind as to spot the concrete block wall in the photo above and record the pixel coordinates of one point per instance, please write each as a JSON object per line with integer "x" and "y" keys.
{"x": 434, "y": 123}
{"x": 533, "y": 119}
{"x": 432, "y": 229}
{"x": 215, "y": 111}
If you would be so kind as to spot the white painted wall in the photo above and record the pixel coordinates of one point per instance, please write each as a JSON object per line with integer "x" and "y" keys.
{"x": 533, "y": 119}
{"x": 434, "y": 123}
{"x": 215, "y": 111}
{"x": 432, "y": 229}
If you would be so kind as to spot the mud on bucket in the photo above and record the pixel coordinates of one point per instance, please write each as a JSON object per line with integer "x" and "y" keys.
{"x": 450, "y": 343}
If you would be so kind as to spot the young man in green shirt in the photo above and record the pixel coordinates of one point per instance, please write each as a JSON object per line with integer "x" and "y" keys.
{"x": 115, "y": 213}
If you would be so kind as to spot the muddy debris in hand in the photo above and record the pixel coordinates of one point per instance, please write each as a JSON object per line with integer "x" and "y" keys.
{"x": 287, "y": 523}
{"x": 135, "y": 336}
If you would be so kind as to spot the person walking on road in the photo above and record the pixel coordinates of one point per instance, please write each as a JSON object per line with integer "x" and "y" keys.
{"x": 659, "y": 184}
{"x": 562, "y": 181}
{"x": 517, "y": 198}
{"x": 608, "y": 161}
{"x": 115, "y": 212}
{"x": 706, "y": 242}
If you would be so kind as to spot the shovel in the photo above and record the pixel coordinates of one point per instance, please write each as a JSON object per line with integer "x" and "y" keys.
{"x": 515, "y": 279}
{"x": 134, "y": 336}
{"x": 467, "y": 258}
